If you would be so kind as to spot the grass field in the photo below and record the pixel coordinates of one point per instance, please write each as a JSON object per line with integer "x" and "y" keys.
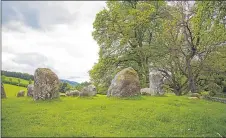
{"x": 100, "y": 116}
{"x": 12, "y": 90}
{"x": 16, "y": 80}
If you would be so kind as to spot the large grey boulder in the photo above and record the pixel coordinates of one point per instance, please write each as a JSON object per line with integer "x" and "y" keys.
{"x": 88, "y": 91}
{"x": 30, "y": 90}
{"x": 156, "y": 83}
{"x": 72, "y": 93}
{"x": 46, "y": 84}
{"x": 21, "y": 93}
{"x": 145, "y": 91}
{"x": 3, "y": 95}
{"x": 125, "y": 83}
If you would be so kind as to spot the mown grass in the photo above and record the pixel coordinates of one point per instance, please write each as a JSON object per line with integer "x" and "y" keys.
{"x": 102, "y": 116}
{"x": 12, "y": 90}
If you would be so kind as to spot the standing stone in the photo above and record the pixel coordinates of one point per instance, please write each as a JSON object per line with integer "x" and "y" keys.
{"x": 88, "y": 91}
{"x": 3, "y": 95}
{"x": 156, "y": 83}
{"x": 30, "y": 90}
{"x": 21, "y": 93}
{"x": 72, "y": 93}
{"x": 125, "y": 83}
{"x": 46, "y": 84}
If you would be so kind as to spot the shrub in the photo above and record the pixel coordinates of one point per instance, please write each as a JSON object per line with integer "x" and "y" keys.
{"x": 167, "y": 88}
{"x": 205, "y": 94}
{"x": 213, "y": 88}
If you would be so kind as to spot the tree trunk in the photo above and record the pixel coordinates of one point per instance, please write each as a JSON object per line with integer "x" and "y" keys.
{"x": 191, "y": 81}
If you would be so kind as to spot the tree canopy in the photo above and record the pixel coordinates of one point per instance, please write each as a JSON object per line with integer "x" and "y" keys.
{"x": 181, "y": 40}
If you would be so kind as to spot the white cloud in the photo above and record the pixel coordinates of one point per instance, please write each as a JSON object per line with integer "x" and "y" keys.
{"x": 63, "y": 43}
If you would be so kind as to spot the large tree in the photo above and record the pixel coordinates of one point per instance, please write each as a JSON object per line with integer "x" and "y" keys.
{"x": 190, "y": 37}
{"x": 178, "y": 40}
{"x": 125, "y": 32}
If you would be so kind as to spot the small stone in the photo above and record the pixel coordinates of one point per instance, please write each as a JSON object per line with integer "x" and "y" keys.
{"x": 30, "y": 90}
{"x": 72, "y": 93}
{"x": 88, "y": 91}
{"x": 21, "y": 93}
{"x": 193, "y": 98}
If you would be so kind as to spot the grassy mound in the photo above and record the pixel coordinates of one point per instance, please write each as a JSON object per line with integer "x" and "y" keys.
{"x": 101, "y": 116}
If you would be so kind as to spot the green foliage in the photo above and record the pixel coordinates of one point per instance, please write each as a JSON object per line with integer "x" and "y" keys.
{"x": 80, "y": 86}
{"x": 3, "y": 78}
{"x": 124, "y": 33}
{"x": 11, "y": 80}
{"x": 20, "y": 75}
{"x": 169, "y": 116}
{"x": 64, "y": 87}
{"x": 30, "y": 81}
{"x": 16, "y": 81}
{"x": 204, "y": 93}
{"x": 102, "y": 73}
{"x": 213, "y": 88}
{"x": 153, "y": 35}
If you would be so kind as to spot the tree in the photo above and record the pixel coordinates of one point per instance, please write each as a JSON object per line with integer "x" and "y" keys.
{"x": 102, "y": 73}
{"x": 190, "y": 36}
{"x": 10, "y": 80}
{"x": 30, "y": 81}
{"x": 18, "y": 81}
{"x": 64, "y": 87}
{"x": 125, "y": 32}
{"x": 82, "y": 85}
{"x": 3, "y": 78}
{"x": 25, "y": 76}
{"x": 180, "y": 40}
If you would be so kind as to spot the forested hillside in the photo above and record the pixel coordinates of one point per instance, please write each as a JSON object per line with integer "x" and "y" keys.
{"x": 24, "y": 76}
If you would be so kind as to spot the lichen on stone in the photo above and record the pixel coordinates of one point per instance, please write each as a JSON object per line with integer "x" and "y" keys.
{"x": 46, "y": 84}
{"x": 126, "y": 83}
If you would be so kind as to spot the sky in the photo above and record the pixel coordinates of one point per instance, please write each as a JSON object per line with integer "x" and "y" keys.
{"x": 50, "y": 34}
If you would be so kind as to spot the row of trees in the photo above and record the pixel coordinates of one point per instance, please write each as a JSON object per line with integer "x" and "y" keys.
{"x": 24, "y": 76}
{"x": 64, "y": 87}
{"x": 15, "y": 81}
{"x": 183, "y": 40}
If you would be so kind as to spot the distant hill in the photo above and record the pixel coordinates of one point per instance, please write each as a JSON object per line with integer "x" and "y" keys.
{"x": 73, "y": 83}
{"x": 26, "y": 76}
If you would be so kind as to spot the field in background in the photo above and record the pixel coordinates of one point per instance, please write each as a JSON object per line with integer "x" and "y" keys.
{"x": 12, "y": 90}
{"x": 21, "y": 80}
{"x": 14, "y": 81}
{"x": 100, "y": 116}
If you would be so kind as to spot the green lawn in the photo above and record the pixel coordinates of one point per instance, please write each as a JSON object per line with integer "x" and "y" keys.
{"x": 12, "y": 90}
{"x": 101, "y": 116}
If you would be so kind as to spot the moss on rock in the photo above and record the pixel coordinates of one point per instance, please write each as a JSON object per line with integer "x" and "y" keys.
{"x": 126, "y": 83}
